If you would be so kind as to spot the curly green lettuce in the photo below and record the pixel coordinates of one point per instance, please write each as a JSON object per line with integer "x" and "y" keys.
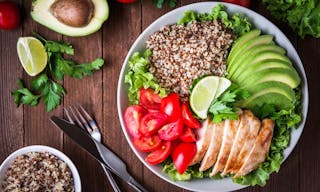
{"x": 237, "y": 22}
{"x": 138, "y": 76}
{"x": 303, "y": 16}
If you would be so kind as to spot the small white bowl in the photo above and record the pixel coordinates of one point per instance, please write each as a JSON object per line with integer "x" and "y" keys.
{"x": 41, "y": 148}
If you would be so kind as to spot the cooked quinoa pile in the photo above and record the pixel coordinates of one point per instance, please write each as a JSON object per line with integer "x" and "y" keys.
{"x": 38, "y": 172}
{"x": 181, "y": 54}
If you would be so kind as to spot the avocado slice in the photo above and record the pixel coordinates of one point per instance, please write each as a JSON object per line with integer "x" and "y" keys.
{"x": 259, "y": 66}
{"x": 260, "y": 40}
{"x": 71, "y": 17}
{"x": 260, "y": 56}
{"x": 287, "y": 76}
{"x": 242, "y": 40}
{"x": 243, "y": 59}
{"x": 272, "y": 95}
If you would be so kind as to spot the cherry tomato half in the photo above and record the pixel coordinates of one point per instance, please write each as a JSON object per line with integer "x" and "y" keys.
{"x": 188, "y": 118}
{"x": 171, "y": 131}
{"x": 147, "y": 144}
{"x": 188, "y": 135}
{"x": 149, "y": 99}
{"x": 152, "y": 122}
{"x": 160, "y": 154}
{"x": 244, "y": 3}
{"x": 182, "y": 155}
{"x": 9, "y": 15}
{"x": 132, "y": 118}
{"x": 170, "y": 105}
{"x": 126, "y": 1}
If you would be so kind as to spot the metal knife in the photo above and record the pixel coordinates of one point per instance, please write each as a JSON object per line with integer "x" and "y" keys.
{"x": 98, "y": 151}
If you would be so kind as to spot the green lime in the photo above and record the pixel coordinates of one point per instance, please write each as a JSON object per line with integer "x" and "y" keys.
{"x": 32, "y": 55}
{"x": 224, "y": 84}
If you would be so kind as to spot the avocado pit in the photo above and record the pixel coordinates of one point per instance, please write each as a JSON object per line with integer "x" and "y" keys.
{"x": 74, "y": 13}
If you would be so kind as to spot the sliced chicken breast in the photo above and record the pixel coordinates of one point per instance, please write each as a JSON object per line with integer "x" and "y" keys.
{"x": 215, "y": 143}
{"x": 229, "y": 133}
{"x": 241, "y": 136}
{"x": 204, "y": 137}
{"x": 260, "y": 149}
{"x": 254, "y": 125}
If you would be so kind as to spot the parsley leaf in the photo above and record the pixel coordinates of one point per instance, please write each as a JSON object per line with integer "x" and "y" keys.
{"x": 52, "y": 93}
{"x": 224, "y": 107}
{"x": 24, "y": 95}
{"x": 160, "y": 3}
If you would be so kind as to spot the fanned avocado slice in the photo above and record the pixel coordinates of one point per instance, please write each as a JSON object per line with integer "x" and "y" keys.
{"x": 71, "y": 17}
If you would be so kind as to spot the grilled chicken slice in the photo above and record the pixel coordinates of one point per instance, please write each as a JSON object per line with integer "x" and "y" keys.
{"x": 204, "y": 137}
{"x": 254, "y": 125}
{"x": 260, "y": 149}
{"x": 229, "y": 133}
{"x": 214, "y": 147}
{"x": 241, "y": 136}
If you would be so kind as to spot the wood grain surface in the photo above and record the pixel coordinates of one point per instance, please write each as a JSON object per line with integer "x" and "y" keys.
{"x": 26, "y": 125}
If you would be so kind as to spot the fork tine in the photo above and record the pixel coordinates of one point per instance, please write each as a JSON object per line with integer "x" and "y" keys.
{"x": 76, "y": 117}
{"x": 68, "y": 116}
{"x": 84, "y": 122}
{"x": 89, "y": 118}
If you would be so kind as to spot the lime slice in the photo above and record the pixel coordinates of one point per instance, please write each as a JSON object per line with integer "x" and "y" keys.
{"x": 224, "y": 84}
{"x": 203, "y": 94}
{"x": 32, "y": 55}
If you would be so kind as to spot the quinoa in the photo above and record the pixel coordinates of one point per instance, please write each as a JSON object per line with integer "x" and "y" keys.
{"x": 181, "y": 54}
{"x": 38, "y": 172}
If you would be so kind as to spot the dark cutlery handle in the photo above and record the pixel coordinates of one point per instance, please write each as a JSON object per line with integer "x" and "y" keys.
{"x": 135, "y": 185}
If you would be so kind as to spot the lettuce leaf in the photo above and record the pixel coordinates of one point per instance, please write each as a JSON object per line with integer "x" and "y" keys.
{"x": 237, "y": 22}
{"x": 303, "y": 16}
{"x": 139, "y": 76}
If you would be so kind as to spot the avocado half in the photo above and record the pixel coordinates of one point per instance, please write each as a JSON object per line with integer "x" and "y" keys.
{"x": 71, "y": 17}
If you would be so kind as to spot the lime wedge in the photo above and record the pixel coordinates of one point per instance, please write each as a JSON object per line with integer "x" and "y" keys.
{"x": 224, "y": 84}
{"x": 32, "y": 55}
{"x": 203, "y": 94}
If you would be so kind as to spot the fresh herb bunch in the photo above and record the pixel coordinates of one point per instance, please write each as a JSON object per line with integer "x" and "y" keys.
{"x": 225, "y": 106}
{"x": 160, "y": 3}
{"x": 44, "y": 86}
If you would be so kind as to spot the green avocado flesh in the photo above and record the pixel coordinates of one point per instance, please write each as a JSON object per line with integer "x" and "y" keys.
{"x": 42, "y": 13}
{"x": 241, "y": 75}
{"x": 260, "y": 40}
{"x": 250, "y": 54}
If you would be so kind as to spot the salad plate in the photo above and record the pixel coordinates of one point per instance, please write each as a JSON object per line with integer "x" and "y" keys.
{"x": 173, "y": 17}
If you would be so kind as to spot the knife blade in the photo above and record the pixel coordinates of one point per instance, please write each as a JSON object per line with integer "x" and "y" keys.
{"x": 97, "y": 150}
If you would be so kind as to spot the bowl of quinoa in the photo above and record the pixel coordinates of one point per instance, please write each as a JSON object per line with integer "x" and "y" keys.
{"x": 39, "y": 168}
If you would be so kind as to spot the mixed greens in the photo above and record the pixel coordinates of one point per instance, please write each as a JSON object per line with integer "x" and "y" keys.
{"x": 225, "y": 106}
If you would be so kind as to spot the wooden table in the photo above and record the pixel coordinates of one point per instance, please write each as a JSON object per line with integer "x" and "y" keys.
{"x": 30, "y": 125}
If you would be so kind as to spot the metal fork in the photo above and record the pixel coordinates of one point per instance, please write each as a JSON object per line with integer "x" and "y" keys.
{"x": 85, "y": 121}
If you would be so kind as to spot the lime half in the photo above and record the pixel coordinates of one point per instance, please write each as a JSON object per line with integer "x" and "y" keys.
{"x": 203, "y": 94}
{"x": 32, "y": 55}
{"x": 224, "y": 84}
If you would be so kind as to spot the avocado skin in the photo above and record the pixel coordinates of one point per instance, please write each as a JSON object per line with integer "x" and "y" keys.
{"x": 40, "y": 12}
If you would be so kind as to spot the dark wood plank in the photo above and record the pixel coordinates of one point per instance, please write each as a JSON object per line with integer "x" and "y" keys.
{"x": 309, "y": 50}
{"x": 87, "y": 92}
{"x": 119, "y": 32}
{"x": 38, "y": 129}
{"x": 11, "y": 118}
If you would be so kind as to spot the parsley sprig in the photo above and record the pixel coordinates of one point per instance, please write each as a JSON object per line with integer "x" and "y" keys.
{"x": 160, "y": 3}
{"x": 45, "y": 85}
{"x": 224, "y": 107}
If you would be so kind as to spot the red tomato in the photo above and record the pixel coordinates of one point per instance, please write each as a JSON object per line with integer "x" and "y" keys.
{"x": 132, "y": 118}
{"x": 182, "y": 156}
{"x": 170, "y": 105}
{"x": 9, "y": 15}
{"x": 126, "y": 1}
{"x": 171, "y": 131}
{"x": 160, "y": 154}
{"x": 244, "y": 3}
{"x": 152, "y": 122}
{"x": 147, "y": 144}
{"x": 188, "y": 135}
{"x": 149, "y": 99}
{"x": 188, "y": 118}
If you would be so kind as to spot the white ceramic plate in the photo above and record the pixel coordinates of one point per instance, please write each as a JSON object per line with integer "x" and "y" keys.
{"x": 41, "y": 148}
{"x": 172, "y": 17}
